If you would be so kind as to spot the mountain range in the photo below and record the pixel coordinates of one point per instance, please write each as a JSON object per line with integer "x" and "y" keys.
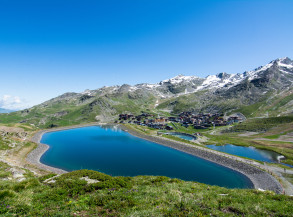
{"x": 3, "y": 110}
{"x": 264, "y": 91}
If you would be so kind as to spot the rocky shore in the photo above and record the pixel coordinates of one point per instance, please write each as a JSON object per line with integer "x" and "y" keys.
{"x": 259, "y": 178}
{"x": 34, "y": 156}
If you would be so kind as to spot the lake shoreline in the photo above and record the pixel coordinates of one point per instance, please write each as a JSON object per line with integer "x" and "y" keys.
{"x": 258, "y": 177}
{"x": 35, "y": 155}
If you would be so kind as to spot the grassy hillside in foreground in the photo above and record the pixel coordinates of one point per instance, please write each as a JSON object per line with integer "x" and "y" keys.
{"x": 90, "y": 193}
{"x": 71, "y": 195}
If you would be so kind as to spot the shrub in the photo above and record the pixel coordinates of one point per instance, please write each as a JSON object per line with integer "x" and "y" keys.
{"x": 175, "y": 181}
{"x": 32, "y": 183}
{"x": 4, "y": 174}
{"x": 29, "y": 183}
{"x": 51, "y": 195}
{"x": 160, "y": 179}
{"x": 75, "y": 185}
{"x": 45, "y": 177}
{"x": 83, "y": 173}
{"x": 112, "y": 202}
{"x": 6, "y": 193}
{"x": 19, "y": 187}
{"x": 99, "y": 200}
{"x": 21, "y": 209}
{"x": 4, "y": 207}
{"x": 115, "y": 182}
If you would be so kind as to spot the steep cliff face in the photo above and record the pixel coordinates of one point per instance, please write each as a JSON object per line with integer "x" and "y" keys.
{"x": 267, "y": 89}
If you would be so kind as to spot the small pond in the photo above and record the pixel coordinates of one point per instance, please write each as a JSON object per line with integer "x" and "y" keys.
{"x": 182, "y": 136}
{"x": 249, "y": 152}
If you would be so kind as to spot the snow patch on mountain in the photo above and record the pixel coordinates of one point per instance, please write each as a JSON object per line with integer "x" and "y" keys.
{"x": 285, "y": 65}
{"x": 255, "y": 73}
{"x": 147, "y": 86}
{"x": 222, "y": 80}
{"x": 133, "y": 88}
{"x": 281, "y": 63}
{"x": 179, "y": 79}
{"x": 182, "y": 85}
{"x": 87, "y": 92}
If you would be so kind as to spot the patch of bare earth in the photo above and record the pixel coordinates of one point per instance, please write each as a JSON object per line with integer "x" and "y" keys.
{"x": 248, "y": 134}
{"x": 16, "y": 156}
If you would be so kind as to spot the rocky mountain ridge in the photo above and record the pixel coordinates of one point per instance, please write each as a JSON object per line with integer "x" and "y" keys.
{"x": 265, "y": 90}
{"x": 181, "y": 84}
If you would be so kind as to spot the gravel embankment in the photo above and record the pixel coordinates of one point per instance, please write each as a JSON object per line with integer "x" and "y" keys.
{"x": 259, "y": 178}
{"x": 35, "y": 155}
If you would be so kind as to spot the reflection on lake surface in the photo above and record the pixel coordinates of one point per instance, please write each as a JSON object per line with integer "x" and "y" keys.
{"x": 249, "y": 152}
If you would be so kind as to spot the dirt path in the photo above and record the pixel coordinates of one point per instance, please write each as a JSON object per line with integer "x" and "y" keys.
{"x": 283, "y": 139}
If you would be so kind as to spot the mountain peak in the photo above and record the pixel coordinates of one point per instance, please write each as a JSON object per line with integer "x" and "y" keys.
{"x": 285, "y": 62}
{"x": 284, "y": 59}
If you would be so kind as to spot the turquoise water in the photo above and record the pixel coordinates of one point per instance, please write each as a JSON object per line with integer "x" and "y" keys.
{"x": 115, "y": 152}
{"x": 182, "y": 136}
{"x": 249, "y": 152}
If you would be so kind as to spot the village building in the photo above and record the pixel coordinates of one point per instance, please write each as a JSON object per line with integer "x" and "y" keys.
{"x": 186, "y": 119}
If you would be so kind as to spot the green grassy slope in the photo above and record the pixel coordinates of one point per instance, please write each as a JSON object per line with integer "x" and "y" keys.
{"x": 261, "y": 124}
{"x": 71, "y": 112}
{"x": 137, "y": 196}
{"x": 70, "y": 109}
{"x": 71, "y": 195}
{"x": 272, "y": 103}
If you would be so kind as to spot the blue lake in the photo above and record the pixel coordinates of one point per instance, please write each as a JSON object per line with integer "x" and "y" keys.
{"x": 249, "y": 152}
{"x": 115, "y": 152}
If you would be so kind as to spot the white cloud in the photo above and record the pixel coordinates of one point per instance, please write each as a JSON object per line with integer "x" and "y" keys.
{"x": 12, "y": 102}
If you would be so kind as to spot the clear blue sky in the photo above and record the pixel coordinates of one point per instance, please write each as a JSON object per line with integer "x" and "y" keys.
{"x": 50, "y": 47}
